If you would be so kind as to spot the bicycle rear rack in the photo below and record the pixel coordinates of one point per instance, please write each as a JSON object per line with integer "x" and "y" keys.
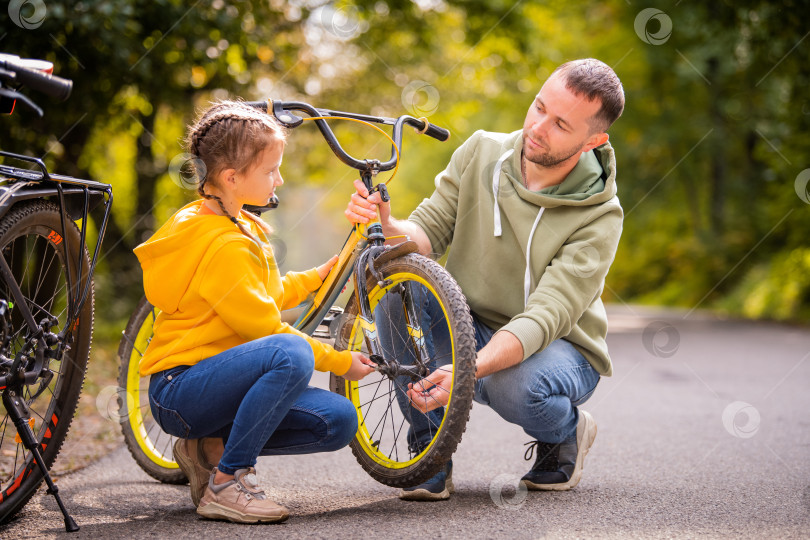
{"x": 74, "y": 200}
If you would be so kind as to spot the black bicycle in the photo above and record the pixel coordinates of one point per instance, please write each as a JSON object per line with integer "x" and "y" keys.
{"x": 46, "y": 299}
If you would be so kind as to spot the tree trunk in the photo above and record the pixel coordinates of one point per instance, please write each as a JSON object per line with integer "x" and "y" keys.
{"x": 718, "y": 162}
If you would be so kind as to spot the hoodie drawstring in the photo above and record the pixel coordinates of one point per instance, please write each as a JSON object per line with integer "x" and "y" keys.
{"x": 527, "y": 279}
{"x": 496, "y": 180}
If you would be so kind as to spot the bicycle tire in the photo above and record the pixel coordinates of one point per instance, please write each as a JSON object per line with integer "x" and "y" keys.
{"x": 31, "y": 239}
{"x": 391, "y": 460}
{"x": 150, "y": 446}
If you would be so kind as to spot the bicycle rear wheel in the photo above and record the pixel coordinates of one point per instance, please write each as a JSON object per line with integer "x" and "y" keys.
{"x": 31, "y": 240}
{"x": 150, "y": 446}
{"x": 395, "y": 443}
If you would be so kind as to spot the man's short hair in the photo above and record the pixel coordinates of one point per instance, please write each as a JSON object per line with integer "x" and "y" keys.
{"x": 594, "y": 79}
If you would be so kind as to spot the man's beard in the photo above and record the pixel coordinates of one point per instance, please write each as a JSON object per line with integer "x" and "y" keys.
{"x": 550, "y": 160}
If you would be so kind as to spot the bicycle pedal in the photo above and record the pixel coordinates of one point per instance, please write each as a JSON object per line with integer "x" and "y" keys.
{"x": 322, "y": 333}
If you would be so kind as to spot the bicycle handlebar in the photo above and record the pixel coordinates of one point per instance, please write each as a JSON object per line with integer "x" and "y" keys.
{"x": 282, "y": 110}
{"x": 36, "y": 80}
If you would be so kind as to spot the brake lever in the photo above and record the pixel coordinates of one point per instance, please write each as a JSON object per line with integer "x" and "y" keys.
{"x": 286, "y": 117}
{"x": 11, "y": 94}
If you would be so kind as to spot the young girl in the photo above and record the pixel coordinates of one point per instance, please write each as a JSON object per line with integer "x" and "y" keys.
{"x": 228, "y": 377}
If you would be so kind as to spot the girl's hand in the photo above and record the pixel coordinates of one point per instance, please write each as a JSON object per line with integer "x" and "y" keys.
{"x": 323, "y": 270}
{"x": 361, "y": 366}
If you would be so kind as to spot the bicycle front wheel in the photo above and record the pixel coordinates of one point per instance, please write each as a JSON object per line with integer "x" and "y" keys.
{"x": 150, "y": 446}
{"x": 32, "y": 242}
{"x": 422, "y": 319}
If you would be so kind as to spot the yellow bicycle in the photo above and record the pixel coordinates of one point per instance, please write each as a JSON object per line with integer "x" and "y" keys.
{"x": 385, "y": 317}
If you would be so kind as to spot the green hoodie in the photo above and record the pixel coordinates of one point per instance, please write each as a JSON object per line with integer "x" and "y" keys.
{"x": 573, "y": 230}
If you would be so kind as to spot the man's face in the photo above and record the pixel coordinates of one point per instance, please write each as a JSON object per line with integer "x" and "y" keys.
{"x": 557, "y": 125}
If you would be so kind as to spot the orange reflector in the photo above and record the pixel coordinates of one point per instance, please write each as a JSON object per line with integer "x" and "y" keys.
{"x": 17, "y": 438}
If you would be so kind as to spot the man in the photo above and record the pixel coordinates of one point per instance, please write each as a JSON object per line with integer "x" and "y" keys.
{"x": 532, "y": 222}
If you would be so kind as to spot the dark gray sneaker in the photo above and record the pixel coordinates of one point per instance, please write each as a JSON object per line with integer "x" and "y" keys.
{"x": 437, "y": 488}
{"x": 558, "y": 466}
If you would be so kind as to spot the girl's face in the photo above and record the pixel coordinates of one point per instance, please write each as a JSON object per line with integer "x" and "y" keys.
{"x": 257, "y": 184}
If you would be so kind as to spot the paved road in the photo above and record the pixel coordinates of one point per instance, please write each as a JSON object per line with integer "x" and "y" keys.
{"x": 703, "y": 432}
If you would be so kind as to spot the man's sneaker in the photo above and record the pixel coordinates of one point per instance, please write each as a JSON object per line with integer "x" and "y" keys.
{"x": 240, "y": 500}
{"x": 189, "y": 456}
{"x": 437, "y": 488}
{"x": 558, "y": 467}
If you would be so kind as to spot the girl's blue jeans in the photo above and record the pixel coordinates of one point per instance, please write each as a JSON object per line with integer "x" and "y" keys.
{"x": 256, "y": 397}
{"x": 541, "y": 394}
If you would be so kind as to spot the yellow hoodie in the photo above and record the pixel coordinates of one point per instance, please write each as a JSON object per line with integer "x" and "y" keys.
{"x": 217, "y": 289}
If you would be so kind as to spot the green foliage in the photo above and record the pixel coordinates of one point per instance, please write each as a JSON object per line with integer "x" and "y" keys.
{"x": 776, "y": 289}
{"x": 708, "y": 148}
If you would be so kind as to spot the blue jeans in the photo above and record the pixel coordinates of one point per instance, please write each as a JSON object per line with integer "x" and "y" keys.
{"x": 541, "y": 394}
{"x": 256, "y": 397}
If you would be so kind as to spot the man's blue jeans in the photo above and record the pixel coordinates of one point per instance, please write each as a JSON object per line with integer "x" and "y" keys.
{"x": 541, "y": 394}
{"x": 256, "y": 397}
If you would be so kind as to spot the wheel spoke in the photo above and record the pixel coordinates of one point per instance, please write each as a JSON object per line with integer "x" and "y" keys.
{"x": 39, "y": 268}
{"x": 394, "y": 432}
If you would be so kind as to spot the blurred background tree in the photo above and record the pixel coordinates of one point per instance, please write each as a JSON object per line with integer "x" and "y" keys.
{"x": 710, "y": 149}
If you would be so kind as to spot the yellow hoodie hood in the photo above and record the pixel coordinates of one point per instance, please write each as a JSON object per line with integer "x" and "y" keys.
{"x": 174, "y": 253}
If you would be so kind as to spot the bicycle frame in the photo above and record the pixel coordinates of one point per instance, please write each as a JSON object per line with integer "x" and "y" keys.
{"x": 316, "y": 308}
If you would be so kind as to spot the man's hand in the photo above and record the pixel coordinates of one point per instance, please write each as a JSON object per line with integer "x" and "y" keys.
{"x": 323, "y": 270}
{"x": 361, "y": 366}
{"x": 362, "y": 208}
{"x": 433, "y": 391}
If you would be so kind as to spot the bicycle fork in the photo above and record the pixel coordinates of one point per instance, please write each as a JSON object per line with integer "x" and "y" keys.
{"x": 18, "y": 411}
{"x": 376, "y": 245}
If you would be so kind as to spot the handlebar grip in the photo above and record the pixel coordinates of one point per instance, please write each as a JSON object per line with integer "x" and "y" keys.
{"x": 41, "y": 82}
{"x": 437, "y": 133}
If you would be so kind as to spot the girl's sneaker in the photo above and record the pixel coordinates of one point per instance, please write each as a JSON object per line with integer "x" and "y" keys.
{"x": 240, "y": 500}
{"x": 189, "y": 456}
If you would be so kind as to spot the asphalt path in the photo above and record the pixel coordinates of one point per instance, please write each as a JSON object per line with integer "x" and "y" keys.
{"x": 704, "y": 431}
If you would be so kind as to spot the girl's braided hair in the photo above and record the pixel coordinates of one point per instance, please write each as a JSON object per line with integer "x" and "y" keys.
{"x": 231, "y": 135}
